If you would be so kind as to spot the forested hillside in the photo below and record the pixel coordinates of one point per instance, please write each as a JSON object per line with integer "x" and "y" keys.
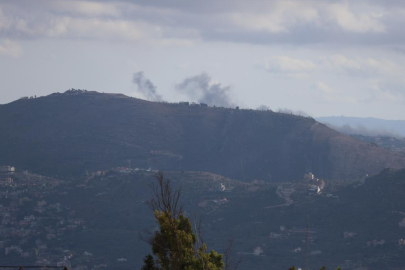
{"x": 74, "y": 132}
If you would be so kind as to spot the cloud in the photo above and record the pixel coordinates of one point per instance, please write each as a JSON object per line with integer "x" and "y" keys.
{"x": 325, "y": 88}
{"x": 345, "y": 62}
{"x": 203, "y": 89}
{"x": 363, "y": 67}
{"x": 280, "y": 17}
{"x": 292, "y": 67}
{"x": 387, "y": 90}
{"x": 10, "y": 48}
{"x": 330, "y": 94}
{"x": 87, "y": 8}
{"x": 94, "y": 28}
{"x": 360, "y": 23}
{"x": 145, "y": 87}
{"x": 114, "y": 21}
{"x": 256, "y": 21}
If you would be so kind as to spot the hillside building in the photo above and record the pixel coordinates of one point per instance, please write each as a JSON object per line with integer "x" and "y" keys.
{"x": 222, "y": 187}
{"x": 309, "y": 176}
{"x": 7, "y": 169}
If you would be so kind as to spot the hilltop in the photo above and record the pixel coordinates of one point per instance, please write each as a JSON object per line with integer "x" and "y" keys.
{"x": 77, "y": 131}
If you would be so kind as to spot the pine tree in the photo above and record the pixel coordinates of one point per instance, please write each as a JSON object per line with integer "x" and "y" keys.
{"x": 148, "y": 263}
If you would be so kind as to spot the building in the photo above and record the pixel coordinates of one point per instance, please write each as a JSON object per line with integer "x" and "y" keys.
{"x": 315, "y": 189}
{"x": 222, "y": 187}
{"x": 7, "y": 169}
{"x": 6, "y": 180}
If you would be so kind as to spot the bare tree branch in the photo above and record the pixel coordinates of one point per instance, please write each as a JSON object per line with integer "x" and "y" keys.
{"x": 227, "y": 252}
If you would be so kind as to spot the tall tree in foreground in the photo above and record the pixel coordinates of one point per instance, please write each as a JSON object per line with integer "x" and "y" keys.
{"x": 174, "y": 245}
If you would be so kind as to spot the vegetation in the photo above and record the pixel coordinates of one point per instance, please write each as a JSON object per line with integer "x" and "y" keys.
{"x": 174, "y": 244}
{"x": 322, "y": 268}
{"x": 68, "y": 134}
{"x": 344, "y": 226}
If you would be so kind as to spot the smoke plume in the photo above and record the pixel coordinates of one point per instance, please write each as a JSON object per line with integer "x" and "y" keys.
{"x": 202, "y": 89}
{"x": 288, "y": 111}
{"x": 263, "y": 108}
{"x": 145, "y": 87}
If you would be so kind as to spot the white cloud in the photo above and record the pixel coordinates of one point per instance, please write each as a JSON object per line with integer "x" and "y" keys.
{"x": 344, "y": 62}
{"x": 384, "y": 67}
{"x": 332, "y": 95}
{"x": 360, "y": 23}
{"x": 10, "y": 48}
{"x": 292, "y": 64}
{"x": 386, "y": 90}
{"x": 89, "y": 20}
{"x": 85, "y": 8}
{"x": 287, "y": 21}
{"x": 291, "y": 67}
{"x": 4, "y": 23}
{"x": 93, "y": 28}
{"x": 365, "y": 67}
{"x": 278, "y": 17}
{"x": 324, "y": 87}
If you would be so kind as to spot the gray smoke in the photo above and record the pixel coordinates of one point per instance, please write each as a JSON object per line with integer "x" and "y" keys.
{"x": 263, "y": 108}
{"x": 298, "y": 112}
{"x": 201, "y": 89}
{"x": 362, "y": 130}
{"x": 146, "y": 87}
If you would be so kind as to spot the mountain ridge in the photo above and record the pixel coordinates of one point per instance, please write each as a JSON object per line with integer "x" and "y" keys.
{"x": 69, "y": 133}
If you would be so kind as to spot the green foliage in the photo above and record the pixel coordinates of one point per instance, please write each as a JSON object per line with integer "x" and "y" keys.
{"x": 148, "y": 263}
{"x": 292, "y": 268}
{"x": 175, "y": 245}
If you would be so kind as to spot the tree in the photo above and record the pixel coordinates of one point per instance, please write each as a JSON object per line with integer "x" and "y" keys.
{"x": 322, "y": 268}
{"x": 175, "y": 246}
{"x": 148, "y": 263}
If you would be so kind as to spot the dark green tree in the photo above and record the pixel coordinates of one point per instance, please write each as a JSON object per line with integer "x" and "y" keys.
{"x": 148, "y": 263}
{"x": 174, "y": 245}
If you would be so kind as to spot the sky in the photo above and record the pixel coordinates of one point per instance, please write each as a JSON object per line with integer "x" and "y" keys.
{"x": 321, "y": 58}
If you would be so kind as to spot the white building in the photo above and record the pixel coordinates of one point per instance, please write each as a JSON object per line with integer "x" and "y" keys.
{"x": 309, "y": 176}
{"x": 222, "y": 187}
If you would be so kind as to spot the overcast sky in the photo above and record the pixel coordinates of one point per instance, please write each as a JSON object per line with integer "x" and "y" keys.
{"x": 321, "y": 57}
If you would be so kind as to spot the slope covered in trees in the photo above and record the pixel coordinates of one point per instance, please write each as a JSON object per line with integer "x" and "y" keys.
{"x": 75, "y": 132}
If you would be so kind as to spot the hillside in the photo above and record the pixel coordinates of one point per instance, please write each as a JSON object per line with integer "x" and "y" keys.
{"x": 97, "y": 220}
{"x": 71, "y": 133}
{"x": 390, "y": 143}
